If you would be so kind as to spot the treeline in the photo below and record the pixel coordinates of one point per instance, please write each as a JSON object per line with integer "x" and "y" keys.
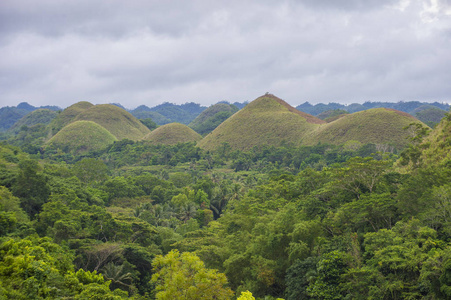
{"x": 136, "y": 220}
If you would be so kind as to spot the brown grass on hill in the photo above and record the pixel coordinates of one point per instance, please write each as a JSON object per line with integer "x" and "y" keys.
{"x": 267, "y": 120}
{"x": 377, "y": 125}
{"x": 116, "y": 120}
{"x": 309, "y": 118}
{"x": 401, "y": 113}
{"x": 172, "y": 134}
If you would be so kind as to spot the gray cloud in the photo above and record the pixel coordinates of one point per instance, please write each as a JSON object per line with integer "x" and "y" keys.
{"x": 146, "y": 52}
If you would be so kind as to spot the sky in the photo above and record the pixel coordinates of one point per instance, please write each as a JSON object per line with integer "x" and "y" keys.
{"x": 145, "y": 52}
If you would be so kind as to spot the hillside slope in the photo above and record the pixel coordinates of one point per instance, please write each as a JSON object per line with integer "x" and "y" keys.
{"x": 80, "y": 137}
{"x": 116, "y": 120}
{"x": 377, "y": 125}
{"x": 438, "y": 144}
{"x": 68, "y": 115}
{"x": 39, "y": 116}
{"x": 171, "y": 134}
{"x": 267, "y": 120}
{"x": 429, "y": 114}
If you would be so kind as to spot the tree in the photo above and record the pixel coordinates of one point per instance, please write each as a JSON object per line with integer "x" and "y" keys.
{"x": 330, "y": 268}
{"x": 184, "y": 276}
{"x": 31, "y": 187}
{"x": 359, "y": 175}
{"x": 149, "y": 123}
{"x": 90, "y": 170}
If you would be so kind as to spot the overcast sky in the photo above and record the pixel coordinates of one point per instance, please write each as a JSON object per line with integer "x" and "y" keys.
{"x": 58, "y": 52}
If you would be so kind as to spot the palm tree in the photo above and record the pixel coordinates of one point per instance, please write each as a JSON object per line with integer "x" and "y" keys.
{"x": 117, "y": 275}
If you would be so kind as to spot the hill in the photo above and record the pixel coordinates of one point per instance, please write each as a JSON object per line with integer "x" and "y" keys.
{"x": 377, "y": 125}
{"x": 68, "y": 115}
{"x": 408, "y": 106}
{"x": 9, "y": 115}
{"x": 171, "y": 134}
{"x": 210, "y": 118}
{"x": 429, "y": 114}
{"x": 144, "y": 112}
{"x": 332, "y": 115}
{"x": 184, "y": 113}
{"x": 39, "y": 116}
{"x": 437, "y": 146}
{"x": 81, "y": 136}
{"x": 116, "y": 120}
{"x": 267, "y": 120}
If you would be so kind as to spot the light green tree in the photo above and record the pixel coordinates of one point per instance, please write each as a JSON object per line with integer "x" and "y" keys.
{"x": 184, "y": 276}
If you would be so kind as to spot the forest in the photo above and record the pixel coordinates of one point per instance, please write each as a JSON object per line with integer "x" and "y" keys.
{"x": 139, "y": 220}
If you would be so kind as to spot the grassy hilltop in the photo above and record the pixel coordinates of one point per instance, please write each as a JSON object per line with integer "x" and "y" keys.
{"x": 87, "y": 127}
{"x": 171, "y": 134}
{"x": 267, "y": 120}
{"x": 81, "y": 136}
{"x": 68, "y": 115}
{"x": 116, "y": 120}
{"x": 377, "y": 125}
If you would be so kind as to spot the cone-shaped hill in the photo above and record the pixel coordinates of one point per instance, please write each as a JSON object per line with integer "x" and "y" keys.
{"x": 377, "y": 125}
{"x": 81, "y": 136}
{"x": 210, "y": 118}
{"x": 171, "y": 134}
{"x": 116, "y": 120}
{"x": 68, "y": 115}
{"x": 267, "y": 120}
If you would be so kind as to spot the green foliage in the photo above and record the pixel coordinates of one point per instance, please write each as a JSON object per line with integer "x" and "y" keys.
{"x": 429, "y": 114}
{"x": 39, "y": 116}
{"x": 30, "y": 139}
{"x": 184, "y": 276}
{"x": 210, "y": 118}
{"x": 10, "y": 115}
{"x": 168, "y": 112}
{"x": 90, "y": 170}
{"x": 330, "y": 268}
{"x": 38, "y": 269}
{"x": 149, "y": 123}
{"x": 301, "y": 222}
{"x": 31, "y": 187}
{"x": 298, "y": 278}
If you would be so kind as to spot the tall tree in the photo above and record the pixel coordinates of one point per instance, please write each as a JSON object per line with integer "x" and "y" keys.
{"x": 184, "y": 276}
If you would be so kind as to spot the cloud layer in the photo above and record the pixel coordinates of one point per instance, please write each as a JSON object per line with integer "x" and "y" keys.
{"x": 147, "y": 52}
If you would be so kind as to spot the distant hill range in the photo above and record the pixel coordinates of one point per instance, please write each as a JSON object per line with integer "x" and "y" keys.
{"x": 42, "y": 116}
{"x": 11, "y": 114}
{"x": 168, "y": 113}
{"x": 429, "y": 113}
{"x": 268, "y": 120}
{"x": 212, "y": 117}
{"x": 173, "y": 113}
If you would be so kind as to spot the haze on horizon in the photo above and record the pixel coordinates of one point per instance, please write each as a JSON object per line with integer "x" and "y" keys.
{"x": 136, "y": 52}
